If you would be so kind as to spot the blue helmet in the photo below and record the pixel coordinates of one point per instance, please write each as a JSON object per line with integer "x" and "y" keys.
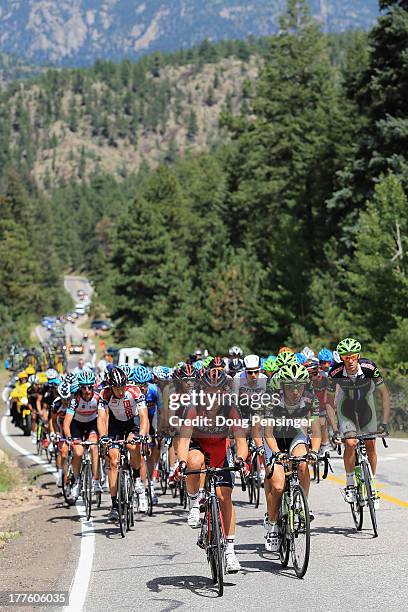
{"x": 162, "y": 372}
{"x": 301, "y": 359}
{"x": 54, "y": 382}
{"x": 325, "y": 355}
{"x": 198, "y": 365}
{"x": 74, "y": 387}
{"x": 86, "y": 377}
{"x": 141, "y": 374}
{"x": 262, "y": 362}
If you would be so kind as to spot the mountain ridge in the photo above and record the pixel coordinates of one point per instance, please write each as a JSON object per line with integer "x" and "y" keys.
{"x": 77, "y": 32}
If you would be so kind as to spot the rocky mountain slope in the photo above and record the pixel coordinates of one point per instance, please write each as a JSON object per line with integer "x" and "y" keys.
{"x": 76, "y": 32}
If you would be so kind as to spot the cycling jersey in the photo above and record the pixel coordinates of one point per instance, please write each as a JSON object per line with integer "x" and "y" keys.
{"x": 59, "y": 410}
{"x": 154, "y": 400}
{"x": 245, "y": 388}
{"x": 125, "y": 408}
{"x": 84, "y": 411}
{"x": 355, "y": 396}
{"x": 319, "y": 385}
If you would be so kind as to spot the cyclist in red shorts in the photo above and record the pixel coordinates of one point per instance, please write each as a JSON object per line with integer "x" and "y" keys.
{"x": 205, "y": 430}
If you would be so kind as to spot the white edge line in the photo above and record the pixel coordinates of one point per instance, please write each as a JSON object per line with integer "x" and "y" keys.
{"x": 80, "y": 582}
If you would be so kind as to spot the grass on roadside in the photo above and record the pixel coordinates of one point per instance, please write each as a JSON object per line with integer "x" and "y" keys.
{"x": 8, "y": 479}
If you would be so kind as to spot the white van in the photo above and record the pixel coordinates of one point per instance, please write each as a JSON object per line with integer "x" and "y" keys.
{"x": 133, "y": 356}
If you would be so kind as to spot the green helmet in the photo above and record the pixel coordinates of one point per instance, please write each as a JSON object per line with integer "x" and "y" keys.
{"x": 270, "y": 365}
{"x": 293, "y": 373}
{"x": 348, "y": 345}
{"x": 207, "y": 360}
{"x": 285, "y": 358}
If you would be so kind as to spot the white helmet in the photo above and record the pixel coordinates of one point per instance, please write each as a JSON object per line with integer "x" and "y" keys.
{"x": 336, "y": 357}
{"x": 308, "y": 352}
{"x": 235, "y": 351}
{"x": 251, "y": 362}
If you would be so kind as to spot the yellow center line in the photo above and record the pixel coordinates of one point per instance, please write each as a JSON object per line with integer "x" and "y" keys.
{"x": 385, "y": 496}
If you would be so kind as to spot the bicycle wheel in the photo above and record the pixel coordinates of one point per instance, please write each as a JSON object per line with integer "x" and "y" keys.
{"x": 284, "y": 549}
{"x": 87, "y": 490}
{"x": 68, "y": 480}
{"x": 217, "y": 545}
{"x": 163, "y": 471}
{"x": 370, "y": 497}
{"x": 256, "y": 483}
{"x": 129, "y": 505}
{"x": 149, "y": 500}
{"x": 357, "y": 510}
{"x": 250, "y": 487}
{"x": 300, "y": 535}
{"x": 39, "y": 439}
{"x": 122, "y": 503}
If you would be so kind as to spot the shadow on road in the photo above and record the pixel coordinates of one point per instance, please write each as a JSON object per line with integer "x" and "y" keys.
{"x": 198, "y": 585}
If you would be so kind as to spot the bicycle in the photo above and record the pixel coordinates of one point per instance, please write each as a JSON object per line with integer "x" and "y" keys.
{"x": 212, "y": 537}
{"x": 253, "y": 480}
{"x": 42, "y": 440}
{"x": 85, "y": 475}
{"x": 164, "y": 464}
{"x": 145, "y": 454}
{"x": 366, "y": 493}
{"x": 293, "y": 515}
{"x": 125, "y": 486}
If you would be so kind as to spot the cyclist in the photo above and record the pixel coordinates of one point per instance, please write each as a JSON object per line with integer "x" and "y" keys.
{"x": 351, "y": 398}
{"x": 325, "y": 357}
{"x": 18, "y": 394}
{"x": 118, "y": 406}
{"x": 212, "y": 438}
{"x": 319, "y": 382}
{"x": 58, "y": 411}
{"x": 35, "y": 398}
{"x": 295, "y": 403}
{"x": 80, "y": 423}
{"x": 154, "y": 402}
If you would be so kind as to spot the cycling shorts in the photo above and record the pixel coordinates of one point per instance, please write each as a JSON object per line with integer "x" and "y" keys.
{"x": 287, "y": 445}
{"x": 119, "y": 430}
{"x": 82, "y": 431}
{"x": 347, "y": 417}
{"x": 220, "y": 456}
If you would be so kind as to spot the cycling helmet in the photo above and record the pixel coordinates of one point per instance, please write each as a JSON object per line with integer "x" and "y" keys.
{"x": 117, "y": 377}
{"x": 217, "y": 362}
{"x": 197, "y": 365}
{"x": 251, "y": 362}
{"x": 312, "y": 365}
{"x": 64, "y": 390}
{"x": 285, "y": 358}
{"x": 141, "y": 374}
{"x": 285, "y": 349}
{"x": 51, "y": 373}
{"x": 308, "y": 352}
{"x": 86, "y": 377}
{"x": 301, "y": 358}
{"x": 162, "y": 372}
{"x": 235, "y": 351}
{"x": 207, "y": 361}
{"x": 30, "y": 370}
{"x": 74, "y": 386}
{"x": 127, "y": 370}
{"x": 348, "y": 345}
{"x": 22, "y": 375}
{"x": 336, "y": 357}
{"x": 54, "y": 382}
{"x": 33, "y": 379}
{"x": 236, "y": 365}
{"x": 325, "y": 355}
{"x": 293, "y": 373}
{"x": 213, "y": 377}
{"x": 70, "y": 377}
{"x": 270, "y": 364}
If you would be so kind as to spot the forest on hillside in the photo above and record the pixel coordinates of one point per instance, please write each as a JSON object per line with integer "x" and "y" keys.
{"x": 291, "y": 228}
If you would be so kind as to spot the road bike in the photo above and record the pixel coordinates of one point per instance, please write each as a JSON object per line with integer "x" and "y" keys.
{"x": 253, "y": 480}
{"x": 85, "y": 476}
{"x": 125, "y": 486}
{"x": 293, "y": 515}
{"x": 164, "y": 464}
{"x": 366, "y": 492}
{"x": 212, "y": 537}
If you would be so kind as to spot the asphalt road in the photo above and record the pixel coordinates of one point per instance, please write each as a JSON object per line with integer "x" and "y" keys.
{"x": 159, "y": 567}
